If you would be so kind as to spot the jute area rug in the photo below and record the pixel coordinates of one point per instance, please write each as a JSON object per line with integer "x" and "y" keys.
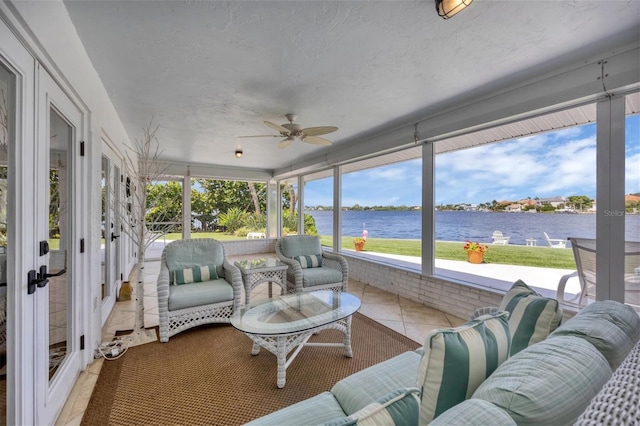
{"x": 207, "y": 376}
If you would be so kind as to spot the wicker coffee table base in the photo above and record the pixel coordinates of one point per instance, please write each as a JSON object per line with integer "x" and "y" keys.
{"x": 281, "y": 345}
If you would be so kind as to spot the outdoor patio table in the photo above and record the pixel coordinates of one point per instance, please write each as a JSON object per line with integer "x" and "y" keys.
{"x": 257, "y": 271}
{"x": 289, "y": 321}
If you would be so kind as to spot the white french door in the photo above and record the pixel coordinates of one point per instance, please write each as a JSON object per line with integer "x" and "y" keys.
{"x": 58, "y": 301}
{"x": 44, "y": 217}
{"x": 17, "y": 206}
{"x": 111, "y": 229}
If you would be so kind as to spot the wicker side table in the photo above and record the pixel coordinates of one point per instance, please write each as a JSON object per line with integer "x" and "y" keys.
{"x": 258, "y": 271}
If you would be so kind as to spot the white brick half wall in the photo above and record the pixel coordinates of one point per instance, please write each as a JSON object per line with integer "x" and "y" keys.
{"x": 256, "y": 246}
{"x": 446, "y": 295}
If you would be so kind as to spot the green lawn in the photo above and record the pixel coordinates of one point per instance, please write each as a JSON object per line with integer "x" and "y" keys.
{"x": 509, "y": 254}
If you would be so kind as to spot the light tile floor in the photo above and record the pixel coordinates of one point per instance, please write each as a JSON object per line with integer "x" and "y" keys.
{"x": 405, "y": 316}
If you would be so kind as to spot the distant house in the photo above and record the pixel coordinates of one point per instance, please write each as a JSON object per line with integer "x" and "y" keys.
{"x": 527, "y": 202}
{"x": 554, "y": 201}
{"x": 515, "y": 207}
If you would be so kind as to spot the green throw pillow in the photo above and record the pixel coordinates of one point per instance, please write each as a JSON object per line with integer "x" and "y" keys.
{"x": 457, "y": 360}
{"x": 532, "y": 317}
{"x": 310, "y": 261}
{"x": 195, "y": 274}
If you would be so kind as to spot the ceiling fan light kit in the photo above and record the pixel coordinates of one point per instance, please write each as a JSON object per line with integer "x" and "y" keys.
{"x": 448, "y": 8}
{"x": 293, "y": 131}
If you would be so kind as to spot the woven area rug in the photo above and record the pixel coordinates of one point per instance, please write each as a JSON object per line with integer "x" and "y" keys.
{"x": 207, "y": 375}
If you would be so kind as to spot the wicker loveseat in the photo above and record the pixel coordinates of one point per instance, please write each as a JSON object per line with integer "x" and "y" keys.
{"x": 310, "y": 268}
{"x": 550, "y": 382}
{"x": 197, "y": 285}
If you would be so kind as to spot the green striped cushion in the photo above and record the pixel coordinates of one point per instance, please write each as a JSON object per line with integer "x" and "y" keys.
{"x": 549, "y": 383}
{"x": 399, "y": 407}
{"x": 532, "y": 316}
{"x": 457, "y": 360}
{"x": 612, "y": 327}
{"x": 309, "y": 261}
{"x": 196, "y": 274}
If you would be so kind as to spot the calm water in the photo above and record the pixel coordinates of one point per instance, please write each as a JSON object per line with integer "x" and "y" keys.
{"x": 477, "y": 226}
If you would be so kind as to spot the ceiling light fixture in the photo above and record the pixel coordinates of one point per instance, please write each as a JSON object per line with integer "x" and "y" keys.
{"x": 447, "y": 8}
{"x": 238, "y": 153}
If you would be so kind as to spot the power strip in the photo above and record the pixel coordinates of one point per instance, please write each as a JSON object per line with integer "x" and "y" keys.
{"x": 110, "y": 350}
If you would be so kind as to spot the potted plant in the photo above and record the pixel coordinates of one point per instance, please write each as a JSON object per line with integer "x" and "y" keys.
{"x": 475, "y": 251}
{"x": 359, "y": 243}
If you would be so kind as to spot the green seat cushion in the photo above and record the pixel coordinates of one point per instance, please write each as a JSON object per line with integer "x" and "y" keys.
{"x": 199, "y": 294}
{"x": 399, "y": 407}
{"x": 313, "y": 411}
{"x": 318, "y": 276}
{"x": 456, "y": 360}
{"x": 300, "y": 245}
{"x": 532, "y": 317}
{"x": 550, "y": 383}
{"x": 369, "y": 385}
{"x": 474, "y": 412}
{"x": 612, "y": 327}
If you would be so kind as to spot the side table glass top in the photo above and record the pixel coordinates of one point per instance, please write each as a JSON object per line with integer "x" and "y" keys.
{"x": 259, "y": 263}
{"x": 296, "y": 312}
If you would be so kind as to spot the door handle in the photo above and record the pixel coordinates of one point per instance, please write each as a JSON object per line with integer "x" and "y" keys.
{"x": 44, "y": 274}
{"x": 113, "y": 237}
{"x": 35, "y": 280}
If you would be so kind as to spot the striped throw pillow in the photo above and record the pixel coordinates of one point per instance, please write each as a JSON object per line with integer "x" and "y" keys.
{"x": 309, "y": 261}
{"x": 457, "y": 360}
{"x": 398, "y": 407}
{"x": 195, "y": 274}
{"x": 532, "y": 317}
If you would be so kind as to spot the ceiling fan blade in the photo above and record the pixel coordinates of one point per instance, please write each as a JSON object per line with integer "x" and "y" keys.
{"x": 260, "y": 136}
{"x": 321, "y": 130}
{"x": 285, "y": 143}
{"x": 282, "y": 130}
{"x": 316, "y": 140}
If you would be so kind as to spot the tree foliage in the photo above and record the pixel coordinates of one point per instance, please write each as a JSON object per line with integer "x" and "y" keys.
{"x": 580, "y": 202}
{"x": 164, "y": 204}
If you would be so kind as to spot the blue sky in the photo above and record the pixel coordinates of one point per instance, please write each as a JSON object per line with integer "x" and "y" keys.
{"x": 559, "y": 163}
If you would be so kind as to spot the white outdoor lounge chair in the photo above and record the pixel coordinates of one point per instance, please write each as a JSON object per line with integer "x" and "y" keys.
{"x": 555, "y": 242}
{"x": 584, "y": 252}
{"x": 498, "y": 238}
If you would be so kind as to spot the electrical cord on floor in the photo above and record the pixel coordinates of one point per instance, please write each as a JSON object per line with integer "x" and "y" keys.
{"x": 111, "y": 350}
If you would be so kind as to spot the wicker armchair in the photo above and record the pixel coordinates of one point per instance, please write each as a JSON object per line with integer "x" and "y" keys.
{"x": 212, "y": 291}
{"x": 321, "y": 270}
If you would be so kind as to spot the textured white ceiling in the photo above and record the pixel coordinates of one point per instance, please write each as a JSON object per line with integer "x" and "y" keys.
{"x": 209, "y": 71}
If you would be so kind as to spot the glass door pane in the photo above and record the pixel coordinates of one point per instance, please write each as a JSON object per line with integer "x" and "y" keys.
{"x": 104, "y": 227}
{"x": 7, "y": 108}
{"x": 59, "y": 243}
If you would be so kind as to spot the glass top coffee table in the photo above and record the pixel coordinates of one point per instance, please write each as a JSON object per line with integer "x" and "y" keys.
{"x": 288, "y": 322}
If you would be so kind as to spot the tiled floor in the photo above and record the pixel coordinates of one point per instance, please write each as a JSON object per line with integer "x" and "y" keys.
{"x": 412, "y": 319}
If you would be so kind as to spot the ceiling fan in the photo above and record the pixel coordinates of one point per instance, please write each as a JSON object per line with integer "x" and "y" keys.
{"x": 291, "y": 131}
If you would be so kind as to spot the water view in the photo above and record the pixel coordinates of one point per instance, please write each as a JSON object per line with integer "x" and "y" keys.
{"x": 467, "y": 225}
